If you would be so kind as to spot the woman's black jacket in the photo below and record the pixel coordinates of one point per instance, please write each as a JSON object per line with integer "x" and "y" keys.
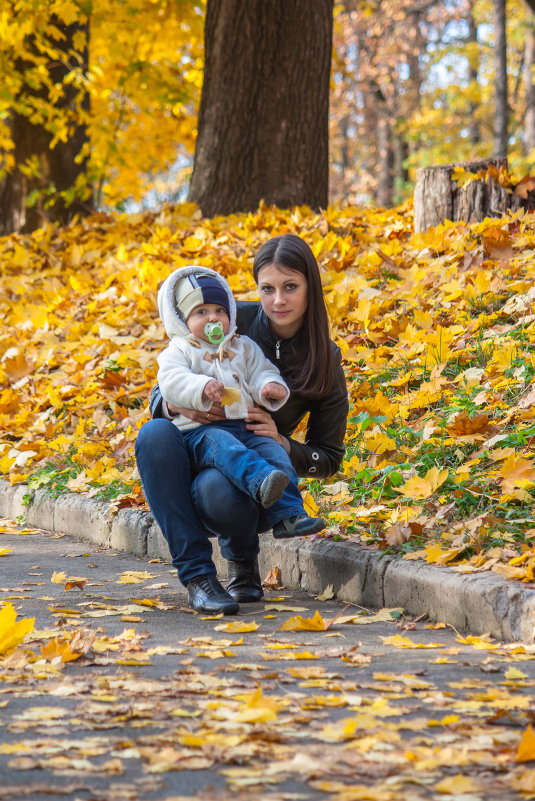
{"x": 322, "y": 452}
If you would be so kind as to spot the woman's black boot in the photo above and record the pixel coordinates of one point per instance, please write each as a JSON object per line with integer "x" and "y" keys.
{"x": 244, "y": 581}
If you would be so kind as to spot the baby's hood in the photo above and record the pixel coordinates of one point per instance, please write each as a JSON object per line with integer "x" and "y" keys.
{"x": 173, "y": 320}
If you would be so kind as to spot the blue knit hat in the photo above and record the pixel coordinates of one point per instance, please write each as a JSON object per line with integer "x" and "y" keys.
{"x": 193, "y": 290}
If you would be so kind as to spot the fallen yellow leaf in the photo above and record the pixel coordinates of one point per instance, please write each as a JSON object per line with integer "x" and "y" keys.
{"x": 11, "y": 632}
{"x": 237, "y": 626}
{"x": 298, "y": 623}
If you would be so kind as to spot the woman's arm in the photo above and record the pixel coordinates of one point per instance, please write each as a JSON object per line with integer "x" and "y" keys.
{"x": 320, "y": 456}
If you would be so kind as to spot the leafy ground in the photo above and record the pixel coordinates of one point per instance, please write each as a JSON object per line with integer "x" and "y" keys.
{"x": 110, "y": 688}
{"x": 437, "y": 332}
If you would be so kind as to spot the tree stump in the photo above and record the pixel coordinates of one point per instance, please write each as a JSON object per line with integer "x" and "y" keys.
{"x": 437, "y": 197}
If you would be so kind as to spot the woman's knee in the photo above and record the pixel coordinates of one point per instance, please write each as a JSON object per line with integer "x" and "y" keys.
{"x": 159, "y": 439}
{"x": 221, "y": 505}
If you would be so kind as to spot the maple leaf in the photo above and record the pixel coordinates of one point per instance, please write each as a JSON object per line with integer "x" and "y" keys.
{"x": 526, "y": 746}
{"x": 258, "y": 709}
{"x": 134, "y": 577}
{"x": 463, "y": 425}
{"x": 421, "y": 488}
{"x": 517, "y": 472}
{"x": 298, "y": 623}
{"x": 273, "y": 579}
{"x": 237, "y": 626}
{"x": 457, "y": 785}
{"x": 59, "y": 648}
{"x": 12, "y": 632}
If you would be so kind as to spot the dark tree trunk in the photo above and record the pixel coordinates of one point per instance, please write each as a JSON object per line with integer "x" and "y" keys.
{"x": 500, "y": 81}
{"x": 401, "y": 173}
{"x": 385, "y": 182}
{"x": 529, "y": 63}
{"x": 57, "y": 165}
{"x": 263, "y": 118}
{"x": 438, "y": 198}
{"x": 473, "y": 70}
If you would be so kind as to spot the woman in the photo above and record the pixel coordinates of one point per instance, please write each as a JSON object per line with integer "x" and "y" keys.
{"x": 290, "y": 325}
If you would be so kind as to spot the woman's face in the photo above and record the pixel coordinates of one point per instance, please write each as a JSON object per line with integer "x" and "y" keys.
{"x": 284, "y": 298}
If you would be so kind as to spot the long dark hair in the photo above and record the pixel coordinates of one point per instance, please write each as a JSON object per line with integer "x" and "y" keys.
{"x": 314, "y": 367}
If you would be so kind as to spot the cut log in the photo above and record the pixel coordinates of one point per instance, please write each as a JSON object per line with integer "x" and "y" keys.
{"x": 438, "y": 198}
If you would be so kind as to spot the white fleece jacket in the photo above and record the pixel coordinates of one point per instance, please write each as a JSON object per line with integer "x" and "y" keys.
{"x": 188, "y": 363}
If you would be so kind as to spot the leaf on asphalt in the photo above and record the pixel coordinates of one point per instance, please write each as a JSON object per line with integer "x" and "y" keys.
{"x": 5, "y": 551}
{"x": 237, "y": 626}
{"x": 12, "y": 633}
{"x": 526, "y": 746}
{"x": 58, "y": 648}
{"x": 298, "y": 623}
{"x": 76, "y": 581}
{"x": 481, "y": 643}
{"x": 134, "y": 576}
{"x": 258, "y": 708}
{"x": 327, "y": 593}
{"x": 457, "y": 785}
{"x": 398, "y": 641}
{"x": 273, "y": 579}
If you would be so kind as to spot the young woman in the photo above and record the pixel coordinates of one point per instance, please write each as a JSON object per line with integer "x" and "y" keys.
{"x": 290, "y": 325}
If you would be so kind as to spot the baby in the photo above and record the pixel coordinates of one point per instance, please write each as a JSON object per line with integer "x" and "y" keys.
{"x": 207, "y": 362}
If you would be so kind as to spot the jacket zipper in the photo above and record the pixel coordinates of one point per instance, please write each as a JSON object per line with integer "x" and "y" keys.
{"x": 278, "y": 349}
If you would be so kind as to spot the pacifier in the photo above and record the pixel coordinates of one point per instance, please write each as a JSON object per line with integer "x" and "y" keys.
{"x": 214, "y": 332}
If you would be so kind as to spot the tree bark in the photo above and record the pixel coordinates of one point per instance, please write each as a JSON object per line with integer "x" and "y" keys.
{"x": 385, "y": 181}
{"x": 58, "y": 169}
{"x": 529, "y": 63}
{"x": 438, "y": 198}
{"x": 500, "y": 81}
{"x": 473, "y": 70}
{"x": 263, "y": 118}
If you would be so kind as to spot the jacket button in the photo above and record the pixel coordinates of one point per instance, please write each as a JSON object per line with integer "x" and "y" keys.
{"x": 315, "y": 456}
{"x": 312, "y": 469}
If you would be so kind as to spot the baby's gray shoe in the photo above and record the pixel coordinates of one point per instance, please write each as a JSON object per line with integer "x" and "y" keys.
{"x": 297, "y": 526}
{"x": 272, "y": 487}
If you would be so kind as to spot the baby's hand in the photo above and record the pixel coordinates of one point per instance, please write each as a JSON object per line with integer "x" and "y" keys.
{"x": 213, "y": 391}
{"x": 274, "y": 391}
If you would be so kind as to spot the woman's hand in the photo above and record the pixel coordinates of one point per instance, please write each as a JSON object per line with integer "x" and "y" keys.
{"x": 261, "y": 422}
{"x": 216, "y": 412}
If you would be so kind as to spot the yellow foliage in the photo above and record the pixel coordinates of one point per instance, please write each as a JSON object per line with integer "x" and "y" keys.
{"x": 12, "y": 633}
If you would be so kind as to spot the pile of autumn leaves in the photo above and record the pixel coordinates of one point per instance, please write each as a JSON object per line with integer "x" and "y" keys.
{"x": 437, "y": 332}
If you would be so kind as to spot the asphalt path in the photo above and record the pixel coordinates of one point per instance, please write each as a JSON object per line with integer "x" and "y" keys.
{"x": 121, "y": 692}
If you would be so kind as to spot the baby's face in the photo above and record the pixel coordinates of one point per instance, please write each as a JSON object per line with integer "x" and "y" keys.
{"x": 207, "y": 313}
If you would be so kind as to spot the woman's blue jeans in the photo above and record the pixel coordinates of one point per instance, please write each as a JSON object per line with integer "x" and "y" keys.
{"x": 191, "y": 508}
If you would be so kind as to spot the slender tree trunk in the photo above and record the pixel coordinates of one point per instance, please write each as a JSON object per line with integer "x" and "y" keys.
{"x": 500, "y": 81}
{"x": 401, "y": 173}
{"x": 263, "y": 118}
{"x": 473, "y": 71}
{"x": 385, "y": 182}
{"x": 529, "y": 63}
{"x": 58, "y": 168}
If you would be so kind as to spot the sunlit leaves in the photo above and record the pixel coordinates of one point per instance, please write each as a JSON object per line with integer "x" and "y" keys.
{"x": 12, "y": 632}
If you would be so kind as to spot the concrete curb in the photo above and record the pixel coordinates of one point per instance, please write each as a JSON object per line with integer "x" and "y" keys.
{"x": 478, "y": 602}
